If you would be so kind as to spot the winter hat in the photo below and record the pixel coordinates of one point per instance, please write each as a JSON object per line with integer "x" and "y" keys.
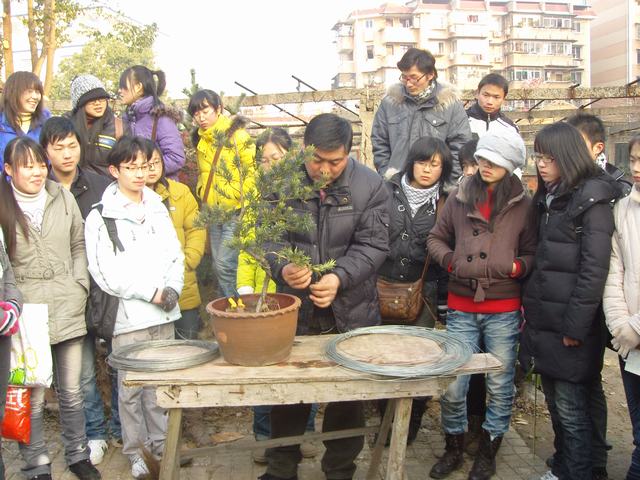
{"x": 503, "y": 147}
{"x": 85, "y": 88}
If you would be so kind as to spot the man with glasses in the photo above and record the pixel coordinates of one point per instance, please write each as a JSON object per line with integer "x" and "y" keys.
{"x": 134, "y": 254}
{"x": 418, "y": 106}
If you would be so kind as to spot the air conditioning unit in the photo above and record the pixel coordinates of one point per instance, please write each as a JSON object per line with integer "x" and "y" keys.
{"x": 477, "y": 58}
{"x": 497, "y": 59}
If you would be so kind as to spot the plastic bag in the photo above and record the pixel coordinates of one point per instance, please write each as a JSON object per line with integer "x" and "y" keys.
{"x": 16, "y": 424}
{"x": 31, "y": 362}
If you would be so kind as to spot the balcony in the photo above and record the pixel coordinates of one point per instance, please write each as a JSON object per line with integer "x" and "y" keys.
{"x": 345, "y": 44}
{"x": 533, "y": 33}
{"x": 344, "y": 80}
{"x": 469, "y": 30}
{"x": 467, "y": 59}
{"x": 538, "y": 60}
{"x": 399, "y": 35}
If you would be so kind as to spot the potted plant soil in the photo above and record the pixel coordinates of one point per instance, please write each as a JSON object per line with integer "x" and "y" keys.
{"x": 259, "y": 328}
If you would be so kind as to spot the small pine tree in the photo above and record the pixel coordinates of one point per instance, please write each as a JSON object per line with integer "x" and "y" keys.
{"x": 264, "y": 213}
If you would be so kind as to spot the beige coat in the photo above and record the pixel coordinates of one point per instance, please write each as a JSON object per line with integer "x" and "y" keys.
{"x": 622, "y": 291}
{"x": 51, "y": 266}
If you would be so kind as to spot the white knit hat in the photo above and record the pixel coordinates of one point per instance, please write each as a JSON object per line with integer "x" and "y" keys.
{"x": 503, "y": 147}
{"x": 85, "y": 88}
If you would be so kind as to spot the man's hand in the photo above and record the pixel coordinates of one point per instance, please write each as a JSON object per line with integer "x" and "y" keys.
{"x": 570, "y": 342}
{"x": 324, "y": 291}
{"x": 296, "y": 276}
{"x": 625, "y": 339}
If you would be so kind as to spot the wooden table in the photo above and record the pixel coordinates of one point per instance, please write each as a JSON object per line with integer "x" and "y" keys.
{"x": 306, "y": 377}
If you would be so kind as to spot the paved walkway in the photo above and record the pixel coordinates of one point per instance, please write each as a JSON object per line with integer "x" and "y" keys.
{"x": 515, "y": 459}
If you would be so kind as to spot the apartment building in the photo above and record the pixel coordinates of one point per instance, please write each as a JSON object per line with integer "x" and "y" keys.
{"x": 530, "y": 42}
{"x": 615, "y": 33}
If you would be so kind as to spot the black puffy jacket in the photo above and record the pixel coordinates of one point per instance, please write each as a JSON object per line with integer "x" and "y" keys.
{"x": 408, "y": 237}
{"x": 564, "y": 292}
{"x": 351, "y": 227}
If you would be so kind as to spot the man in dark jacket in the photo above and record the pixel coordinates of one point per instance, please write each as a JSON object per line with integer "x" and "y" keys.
{"x": 350, "y": 226}
{"x": 61, "y": 142}
{"x": 419, "y": 106}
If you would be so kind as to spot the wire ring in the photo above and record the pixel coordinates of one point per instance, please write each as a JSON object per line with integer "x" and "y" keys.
{"x": 455, "y": 352}
{"x": 120, "y": 358}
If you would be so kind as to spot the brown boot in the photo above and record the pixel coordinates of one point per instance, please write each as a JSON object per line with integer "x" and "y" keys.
{"x": 452, "y": 458}
{"x": 484, "y": 467}
{"x": 472, "y": 438}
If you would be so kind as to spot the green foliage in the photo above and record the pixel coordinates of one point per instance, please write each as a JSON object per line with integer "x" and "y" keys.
{"x": 266, "y": 215}
{"x": 107, "y": 55}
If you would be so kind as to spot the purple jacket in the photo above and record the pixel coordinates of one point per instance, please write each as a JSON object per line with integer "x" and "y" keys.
{"x": 139, "y": 119}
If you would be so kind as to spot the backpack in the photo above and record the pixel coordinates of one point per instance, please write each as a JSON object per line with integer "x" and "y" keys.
{"x": 102, "y": 308}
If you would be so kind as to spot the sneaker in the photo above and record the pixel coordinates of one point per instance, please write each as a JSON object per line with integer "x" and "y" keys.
{"x": 139, "y": 468}
{"x": 308, "y": 449}
{"x": 42, "y": 476}
{"x": 549, "y": 476}
{"x": 84, "y": 470}
{"x": 259, "y": 455}
{"x": 97, "y": 450}
{"x": 116, "y": 442}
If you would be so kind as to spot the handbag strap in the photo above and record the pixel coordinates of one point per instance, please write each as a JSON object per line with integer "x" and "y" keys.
{"x": 154, "y": 129}
{"x": 214, "y": 164}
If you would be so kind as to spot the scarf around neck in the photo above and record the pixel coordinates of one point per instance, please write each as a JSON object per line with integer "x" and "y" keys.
{"x": 417, "y": 197}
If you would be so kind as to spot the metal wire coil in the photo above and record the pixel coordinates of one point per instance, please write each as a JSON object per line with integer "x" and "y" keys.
{"x": 120, "y": 358}
{"x": 455, "y": 352}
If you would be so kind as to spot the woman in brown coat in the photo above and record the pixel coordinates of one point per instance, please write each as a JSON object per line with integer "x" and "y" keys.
{"x": 484, "y": 240}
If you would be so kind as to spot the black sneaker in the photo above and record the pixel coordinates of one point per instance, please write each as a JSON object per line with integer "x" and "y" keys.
{"x": 268, "y": 476}
{"x": 84, "y": 470}
{"x": 42, "y": 476}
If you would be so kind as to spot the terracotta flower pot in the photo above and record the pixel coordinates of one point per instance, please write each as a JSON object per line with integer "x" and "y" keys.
{"x": 252, "y": 339}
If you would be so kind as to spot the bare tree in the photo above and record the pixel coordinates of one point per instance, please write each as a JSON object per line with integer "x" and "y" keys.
{"x": 7, "y": 38}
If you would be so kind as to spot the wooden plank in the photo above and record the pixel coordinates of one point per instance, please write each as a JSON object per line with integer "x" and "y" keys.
{"x": 376, "y": 455}
{"x": 307, "y": 363}
{"x": 567, "y": 112}
{"x": 398, "y": 447}
{"x": 170, "y": 465}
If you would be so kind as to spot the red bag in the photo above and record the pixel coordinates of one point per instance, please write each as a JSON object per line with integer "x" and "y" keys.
{"x": 16, "y": 424}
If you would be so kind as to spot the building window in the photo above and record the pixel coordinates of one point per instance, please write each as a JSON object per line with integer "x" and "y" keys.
{"x": 576, "y": 77}
{"x": 576, "y": 26}
{"x": 556, "y": 22}
{"x": 638, "y": 31}
{"x": 404, "y": 48}
{"x": 575, "y": 52}
{"x": 368, "y": 23}
{"x": 638, "y": 57}
{"x": 520, "y": 75}
{"x": 472, "y": 18}
{"x": 407, "y": 23}
{"x": 389, "y": 22}
{"x": 390, "y": 50}
{"x": 441, "y": 48}
{"x": 557, "y": 48}
{"x": 369, "y": 52}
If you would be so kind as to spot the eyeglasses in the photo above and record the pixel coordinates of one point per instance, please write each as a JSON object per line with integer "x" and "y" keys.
{"x": 154, "y": 165}
{"x": 404, "y": 79}
{"x": 541, "y": 157}
{"x": 144, "y": 168}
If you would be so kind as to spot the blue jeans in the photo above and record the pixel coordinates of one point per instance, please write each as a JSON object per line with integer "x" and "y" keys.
{"x": 188, "y": 325}
{"x": 225, "y": 259}
{"x": 568, "y": 405}
{"x": 95, "y": 422}
{"x": 67, "y": 361}
{"x": 499, "y": 333}
{"x": 262, "y": 421}
{"x": 115, "y": 429}
{"x": 631, "y": 384}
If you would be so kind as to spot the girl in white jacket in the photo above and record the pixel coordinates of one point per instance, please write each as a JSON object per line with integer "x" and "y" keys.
{"x": 622, "y": 295}
{"x": 144, "y": 268}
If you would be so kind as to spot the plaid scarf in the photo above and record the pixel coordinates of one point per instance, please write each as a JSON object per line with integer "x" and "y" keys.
{"x": 417, "y": 197}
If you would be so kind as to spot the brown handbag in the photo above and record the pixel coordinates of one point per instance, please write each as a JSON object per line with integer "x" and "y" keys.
{"x": 401, "y": 302}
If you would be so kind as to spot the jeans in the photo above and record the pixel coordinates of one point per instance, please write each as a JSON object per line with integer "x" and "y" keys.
{"x": 188, "y": 326}
{"x": 5, "y": 356}
{"x": 225, "y": 259}
{"x": 95, "y": 422}
{"x": 499, "y": 332}
{"x": 598, "y": 414}
{"x": 144, "y": 423}
{"x": 67, "y": 365}
{"x": 115, "y": 429}
{"x": 338, "y": 461}
{"x": 262, "y": 421}
{"x": 568, "y": 405}
{"x": 631, "y": 383}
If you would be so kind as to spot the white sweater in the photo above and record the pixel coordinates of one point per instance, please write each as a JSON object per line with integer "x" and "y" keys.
{"x": 622, "y": 291}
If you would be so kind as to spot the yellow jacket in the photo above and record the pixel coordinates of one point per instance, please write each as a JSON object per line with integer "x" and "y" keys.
{"x": 250, "y": 274}
{"x": 183, "y": 209}
{"x": 206, "y": 149}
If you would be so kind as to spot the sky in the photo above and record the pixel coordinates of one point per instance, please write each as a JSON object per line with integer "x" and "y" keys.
{"x": 257, "y": 43}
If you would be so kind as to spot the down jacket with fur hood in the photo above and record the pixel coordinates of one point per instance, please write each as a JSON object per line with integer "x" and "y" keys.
{"x": 138, "y": 119}
{"x": 401, "y": 120}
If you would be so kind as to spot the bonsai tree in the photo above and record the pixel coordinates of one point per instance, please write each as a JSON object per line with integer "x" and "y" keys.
{"x": 264, "y": 214}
